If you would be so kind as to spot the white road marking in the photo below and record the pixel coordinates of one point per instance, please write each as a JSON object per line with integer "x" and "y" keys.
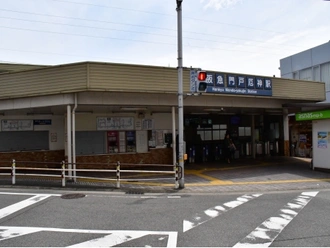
{"x": 111, "y": 238}
{"x": 266, "y": 233}
{"x": 22, "y": 204}
{"x": 139, "y": 196}
{"x": 211, "y": 213}
{"x": 12, "y": 193}
{"x": 174, "y": 196}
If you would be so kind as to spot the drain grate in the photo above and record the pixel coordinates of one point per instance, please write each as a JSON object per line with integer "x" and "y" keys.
{"x": 134, "y": 193}
{"x": 72, "y": 196}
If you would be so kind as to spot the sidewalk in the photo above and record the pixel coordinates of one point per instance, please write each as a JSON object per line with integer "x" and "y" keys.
{"x": 242, "y": 175}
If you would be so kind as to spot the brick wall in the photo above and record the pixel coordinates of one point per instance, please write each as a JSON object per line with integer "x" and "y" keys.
{"x": 54, "y": 158}
{"x": 154, "y": 156}
{"x": 39, "y": 157}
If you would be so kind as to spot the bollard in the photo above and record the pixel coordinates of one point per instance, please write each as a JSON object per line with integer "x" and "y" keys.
{"x": 13, "y": 172}
{"x": 63, "y": 174}
{"x": 176, "y": 168}
{"x": 118, "y": 175}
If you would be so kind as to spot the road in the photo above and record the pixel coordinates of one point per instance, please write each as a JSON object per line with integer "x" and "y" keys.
{"x": 58, "y": 218}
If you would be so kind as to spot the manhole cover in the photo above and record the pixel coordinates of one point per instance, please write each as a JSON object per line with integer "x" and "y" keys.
{"x": 72, "y": 196}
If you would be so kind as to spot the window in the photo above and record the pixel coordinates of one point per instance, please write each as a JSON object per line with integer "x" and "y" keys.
{"x": 244, "y": 131}
{"x": 216, "y": 132}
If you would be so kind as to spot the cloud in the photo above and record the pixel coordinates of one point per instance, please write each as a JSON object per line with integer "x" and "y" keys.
{"x": 219, "y": 4}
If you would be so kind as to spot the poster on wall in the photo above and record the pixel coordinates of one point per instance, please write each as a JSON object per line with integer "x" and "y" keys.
{"x": 17, "y": 125}
{"x": 303, "y": 138}
{"x": 115, "y": 123}
{"x": 322, "y": 140}
{"x": 53, "y": 137}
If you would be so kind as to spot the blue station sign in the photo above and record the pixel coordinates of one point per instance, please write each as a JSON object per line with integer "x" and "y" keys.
{"x": 222, "y": 83}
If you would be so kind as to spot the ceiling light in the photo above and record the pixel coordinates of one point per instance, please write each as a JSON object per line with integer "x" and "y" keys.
{"x": 202, "y": 113}
{"x": 133, "y": 108}
{"x": 214, "y": 109}
{"x": 39, "y": 113}
{"x": 83, "y": 112}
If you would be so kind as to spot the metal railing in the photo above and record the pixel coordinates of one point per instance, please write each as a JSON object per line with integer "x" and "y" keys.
{"x": 64, "y": 173}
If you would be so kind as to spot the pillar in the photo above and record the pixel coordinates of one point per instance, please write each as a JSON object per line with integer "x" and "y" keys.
{"x": 69, "y": 143}
{"x": 253, "y": 135}
{"x": 173, "y": 136}
{"x": 286, "y": 133}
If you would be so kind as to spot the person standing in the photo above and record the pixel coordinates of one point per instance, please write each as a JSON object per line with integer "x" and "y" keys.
{"x": 229, "y": 147}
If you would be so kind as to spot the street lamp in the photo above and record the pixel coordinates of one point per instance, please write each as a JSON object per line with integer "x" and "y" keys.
{"x": 180, "y": 91}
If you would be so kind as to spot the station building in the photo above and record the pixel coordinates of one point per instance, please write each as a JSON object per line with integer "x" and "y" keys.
{"x": 94, "y": 112}
{"x": 314, "y": 65}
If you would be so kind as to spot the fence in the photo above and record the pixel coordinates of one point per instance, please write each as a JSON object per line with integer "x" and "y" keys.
{"x": 65, "y": 172}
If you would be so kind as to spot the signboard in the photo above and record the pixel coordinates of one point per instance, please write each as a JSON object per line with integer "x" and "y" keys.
{"x": 42, "y": 122}
{"x": 193, "y": 80}
{"x": 17, "y": 125}
{"x": 221, "y": 83}
{"x": 315, "y": 115}
{"x": 115, "y": 123}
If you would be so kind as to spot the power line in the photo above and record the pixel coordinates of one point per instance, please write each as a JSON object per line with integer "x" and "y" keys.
{"x": 131, "y": 40}
{"x": 158, "y": 13}
{"x": 120, "y": 30}
{"x": 144, "y": 26}
{"x": 83, "y": 26}
{"x": 83, "y": 19}
{"x": 85, "y": 35}
{"x": 60, "y": 54}
{"x": 111, "y": 7}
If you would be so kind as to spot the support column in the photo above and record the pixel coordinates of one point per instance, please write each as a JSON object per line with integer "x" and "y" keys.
{"x": 74, "y": 138}
{"x": 69, "y": 143}
{"x": 286, "y": 133}
{"x": 173, "y": 136}
{"x": 253, "y": 135}
{"x": 180, "y": 92}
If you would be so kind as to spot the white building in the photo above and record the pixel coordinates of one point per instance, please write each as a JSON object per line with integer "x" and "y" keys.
{"x": 312, "y": 64}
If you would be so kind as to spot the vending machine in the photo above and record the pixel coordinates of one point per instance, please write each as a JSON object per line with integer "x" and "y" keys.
{"x": 113, "y": 142}
{"x": 130, "y": 141}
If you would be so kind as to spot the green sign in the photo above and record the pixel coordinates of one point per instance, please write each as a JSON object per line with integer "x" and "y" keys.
{"x": 316, "y": 115}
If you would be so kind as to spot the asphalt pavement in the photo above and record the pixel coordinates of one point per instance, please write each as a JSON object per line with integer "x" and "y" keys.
{"x": 241, "y": 175}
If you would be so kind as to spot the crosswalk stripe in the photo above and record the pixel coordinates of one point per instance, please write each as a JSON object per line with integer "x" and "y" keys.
{"x": 266, "y": 233}
{"x": 213, "y": 212}
{"x": 110, "y": 238}
{"x": 20, "y": 205}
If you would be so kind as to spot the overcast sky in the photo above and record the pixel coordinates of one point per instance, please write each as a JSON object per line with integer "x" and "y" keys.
{"x": 241, "y": 36}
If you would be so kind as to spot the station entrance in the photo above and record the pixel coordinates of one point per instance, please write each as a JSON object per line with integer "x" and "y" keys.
{"x": 204, "y": 136}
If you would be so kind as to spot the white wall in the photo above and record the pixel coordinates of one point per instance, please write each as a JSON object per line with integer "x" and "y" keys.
{"x": 162, "y": 123}
{"x": 87, "y": 122}
{"x": 56, "y": 129}
{"x": 321, "y": 154}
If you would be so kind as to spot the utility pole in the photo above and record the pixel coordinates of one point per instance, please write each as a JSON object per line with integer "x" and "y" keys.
{"x": 180, "y": 91}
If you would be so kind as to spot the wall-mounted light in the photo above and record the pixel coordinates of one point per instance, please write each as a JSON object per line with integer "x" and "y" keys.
{"x": 194, "y": 94}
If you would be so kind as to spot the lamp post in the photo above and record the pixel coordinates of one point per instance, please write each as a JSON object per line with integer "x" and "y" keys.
{"x": 180, "y": 90}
